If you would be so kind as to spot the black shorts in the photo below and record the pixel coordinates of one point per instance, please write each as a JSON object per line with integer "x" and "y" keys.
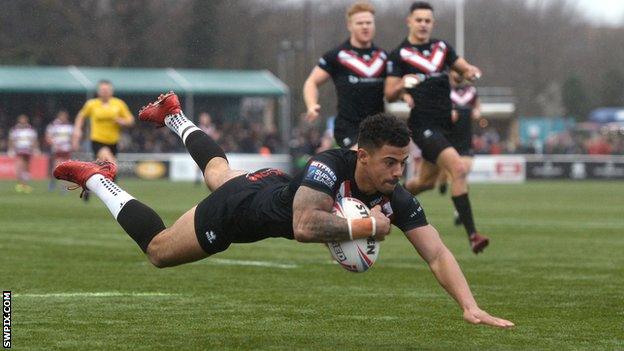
{"x": 346, "y": 132}
{"x": 431, "y": 141}
{"x": 237, "y": 211}
{"x": 461, "y": 133}
{"x": 95, "y": 146}
{"x": 462, "y": 144}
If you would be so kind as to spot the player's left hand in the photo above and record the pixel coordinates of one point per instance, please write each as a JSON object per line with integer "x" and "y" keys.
{"x": 478, "y": 316}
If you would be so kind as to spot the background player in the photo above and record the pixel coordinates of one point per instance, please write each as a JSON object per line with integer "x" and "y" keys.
{"x": 357, "y": 68}
{"x": 248, "y": 207}
{"x": 23, "y": 144}
{"x": 466, "y": 108}
{"x": 419, "y": 67}
{"x": 108, "y": 115}
{"x": 59, "y": 137}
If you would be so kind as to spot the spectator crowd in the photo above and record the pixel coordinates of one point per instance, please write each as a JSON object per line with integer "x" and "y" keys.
{"x": 250, "y": 135}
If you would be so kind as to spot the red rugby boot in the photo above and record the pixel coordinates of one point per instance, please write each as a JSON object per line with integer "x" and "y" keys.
{"x": 79, "y": 172}
{"x": 165, "y": 105}
{"x": 478, "y": 242}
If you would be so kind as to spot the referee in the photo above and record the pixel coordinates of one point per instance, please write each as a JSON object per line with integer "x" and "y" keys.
{"x": 108, "y": 115}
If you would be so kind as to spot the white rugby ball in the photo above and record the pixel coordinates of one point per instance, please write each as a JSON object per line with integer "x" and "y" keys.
{"x": 353, "y": 255}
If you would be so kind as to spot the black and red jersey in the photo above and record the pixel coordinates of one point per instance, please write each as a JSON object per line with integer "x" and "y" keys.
{"x": 333, "y": 173}
{"x": 358, "y": 76}
{"x": 258, "y": 205}
{"x": 464, "y": 97}
{"x": 431, "y": 63}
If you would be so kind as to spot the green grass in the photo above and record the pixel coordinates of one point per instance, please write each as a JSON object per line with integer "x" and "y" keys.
{"x": 555, "y": 267}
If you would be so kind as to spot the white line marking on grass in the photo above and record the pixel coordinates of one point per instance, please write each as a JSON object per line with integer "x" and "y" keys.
{"x": 98, "y": 294}
{"x": 560, "y": 224}
{"x": 229, "y": 262}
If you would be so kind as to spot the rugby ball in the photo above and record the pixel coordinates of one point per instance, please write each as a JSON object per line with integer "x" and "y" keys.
{"x": 355, "y": 255}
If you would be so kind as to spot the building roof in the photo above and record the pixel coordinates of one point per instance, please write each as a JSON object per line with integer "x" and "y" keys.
{"x": 72, "y": 79}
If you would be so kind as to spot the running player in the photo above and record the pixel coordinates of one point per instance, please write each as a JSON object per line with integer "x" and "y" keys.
{"x": 357, "y": 68}
{"x": 466, "y": 108}
{"x": 248, "y": 207}
{"x": 23, "y": 144}
{"x": 419, "y": 67}
{"x": 59, "y": 137}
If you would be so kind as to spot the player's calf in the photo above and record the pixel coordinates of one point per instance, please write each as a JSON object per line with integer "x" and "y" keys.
{"x": 138, "y": 220}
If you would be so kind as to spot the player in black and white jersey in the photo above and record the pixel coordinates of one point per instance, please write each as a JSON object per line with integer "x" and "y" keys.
{"x": 248, "y": 207}
{"x": 358, "y": 69}
{"x": 419, "y": 69}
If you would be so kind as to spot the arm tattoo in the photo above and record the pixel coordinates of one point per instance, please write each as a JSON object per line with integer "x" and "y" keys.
{"x": 312, "y": 215}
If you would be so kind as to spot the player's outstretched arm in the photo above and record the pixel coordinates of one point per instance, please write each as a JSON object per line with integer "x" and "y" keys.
{"x": 314, "y": 222}
{"x": 427, "y": 242}
{"x": 317, "y": 77}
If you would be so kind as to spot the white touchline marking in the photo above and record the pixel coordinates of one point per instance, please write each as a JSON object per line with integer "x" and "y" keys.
{"x": 229, "y": 262}
{"x": 98, "y": 294}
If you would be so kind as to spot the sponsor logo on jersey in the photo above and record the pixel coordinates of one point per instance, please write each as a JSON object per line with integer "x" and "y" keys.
{"x": 319, "y": 172}
{"x": 373, "y": 67}
{"x": 426, "y": 61}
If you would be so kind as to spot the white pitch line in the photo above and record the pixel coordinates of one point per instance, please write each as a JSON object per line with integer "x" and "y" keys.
{"x": 98, "y": 294}
{"x": 229, "y": 262}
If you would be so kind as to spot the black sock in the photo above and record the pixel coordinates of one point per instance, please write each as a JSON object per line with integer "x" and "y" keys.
{"x": 202, "y": 148}
{"x": 462, "y": 205}
{"x": 140, "y": 222}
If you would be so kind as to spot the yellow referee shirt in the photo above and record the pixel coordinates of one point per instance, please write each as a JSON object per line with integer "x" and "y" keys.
{"x": 104, "y": 128}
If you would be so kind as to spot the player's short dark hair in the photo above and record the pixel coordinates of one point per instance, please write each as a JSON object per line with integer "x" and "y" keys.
{"x": 420, "y": 5}
{"x": 104, "y": 81}
{"x": 383, "y": 129}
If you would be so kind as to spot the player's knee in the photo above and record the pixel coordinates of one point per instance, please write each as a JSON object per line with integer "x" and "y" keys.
{"x": 428, "y": 185}
{"x": 156, "y": 255}
{"x": 459, "y": 171}
{"x": 215, "y": 172}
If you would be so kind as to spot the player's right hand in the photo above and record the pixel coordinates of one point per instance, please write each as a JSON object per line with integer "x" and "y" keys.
{"x": 382, "y": 223}
{"x": 410, "y": 80}
{"x": 408, "y": 99}
{"x": 313, "y": 113}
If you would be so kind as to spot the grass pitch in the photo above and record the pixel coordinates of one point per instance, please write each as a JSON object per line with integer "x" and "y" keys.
{"x": 555, "y": 267}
